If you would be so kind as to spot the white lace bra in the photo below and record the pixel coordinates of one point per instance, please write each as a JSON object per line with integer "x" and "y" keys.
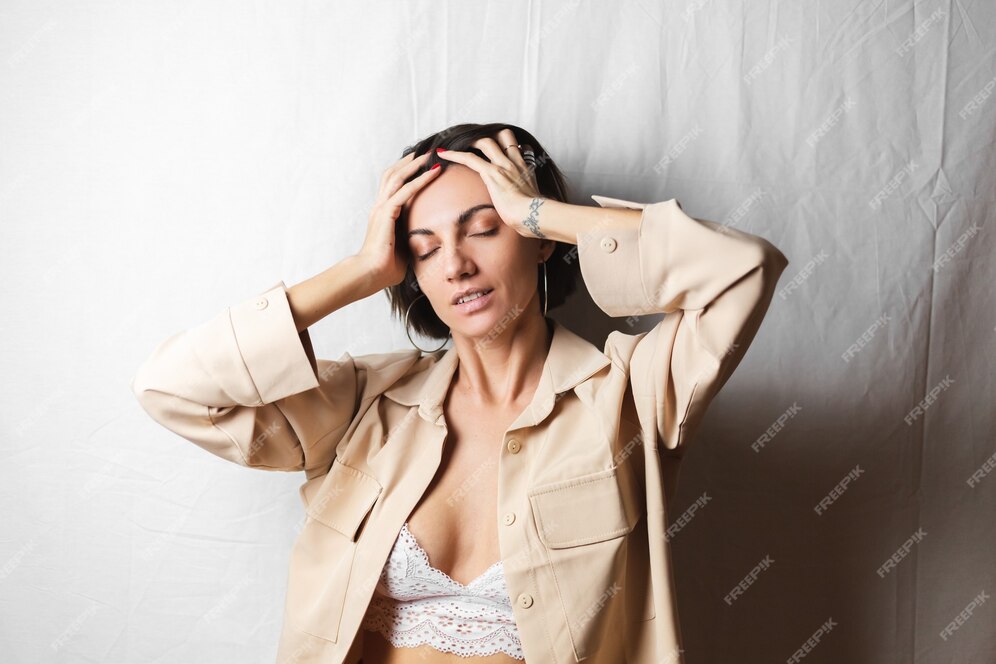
{"x": 414, "y": 603}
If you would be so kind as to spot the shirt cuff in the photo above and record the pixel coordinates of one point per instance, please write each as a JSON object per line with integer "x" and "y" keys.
{"x": 610, "y": 267}
{"x": 669, "y": 262}
{"x": 271, "y": 347}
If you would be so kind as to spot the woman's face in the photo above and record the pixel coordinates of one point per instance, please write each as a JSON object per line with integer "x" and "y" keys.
{"x": 481, "y": 252}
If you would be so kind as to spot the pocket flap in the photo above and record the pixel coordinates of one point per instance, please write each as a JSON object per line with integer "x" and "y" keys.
{"x": 341, "y": 499}
{"x": 582, "y": 510}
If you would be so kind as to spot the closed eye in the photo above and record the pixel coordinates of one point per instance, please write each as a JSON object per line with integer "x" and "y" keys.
{"x": 493, "y": 231}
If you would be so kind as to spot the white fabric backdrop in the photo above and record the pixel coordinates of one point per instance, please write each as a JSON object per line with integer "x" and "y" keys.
{"x": 160, "y": 161}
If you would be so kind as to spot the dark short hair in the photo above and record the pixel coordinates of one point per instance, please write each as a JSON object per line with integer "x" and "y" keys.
{"x": 561, "y": 267}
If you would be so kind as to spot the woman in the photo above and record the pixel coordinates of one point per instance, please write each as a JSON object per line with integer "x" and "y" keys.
{"x": 503, "y": 499}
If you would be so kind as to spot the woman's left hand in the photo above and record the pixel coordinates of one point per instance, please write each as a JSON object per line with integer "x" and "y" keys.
{"x": 510, "y": 181}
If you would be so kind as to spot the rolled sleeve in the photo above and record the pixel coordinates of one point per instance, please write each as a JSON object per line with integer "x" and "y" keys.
{"x": 272, "y": 351}
{"x": 222, "y": 384}
{"x": 714, "y": 284}
{"x": 610, "y": 261}
{"x": 670, "y": 262}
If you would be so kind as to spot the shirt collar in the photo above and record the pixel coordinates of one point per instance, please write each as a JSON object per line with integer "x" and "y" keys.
{"x": 571, "y": 360}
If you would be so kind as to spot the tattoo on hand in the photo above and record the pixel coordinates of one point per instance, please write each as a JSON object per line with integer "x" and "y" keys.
{"x": 531, "y": 222}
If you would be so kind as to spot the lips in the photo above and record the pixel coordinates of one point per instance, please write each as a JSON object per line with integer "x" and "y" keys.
{"x": 470, "y": 291}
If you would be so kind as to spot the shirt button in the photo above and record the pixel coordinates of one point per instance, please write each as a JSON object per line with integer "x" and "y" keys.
{"x": 608, "y": 244}
{"x": 509, "y": 518}
{"x": 513, "y": 446}
{"x": 525, "y": 600}
{"x": 261, "y": 303}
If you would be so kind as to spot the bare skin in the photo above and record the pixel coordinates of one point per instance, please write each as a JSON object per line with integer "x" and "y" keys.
{"x": 448, "y": 520}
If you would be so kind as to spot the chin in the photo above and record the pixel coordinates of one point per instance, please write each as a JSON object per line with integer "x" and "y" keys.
{"x": 483, "y": 325}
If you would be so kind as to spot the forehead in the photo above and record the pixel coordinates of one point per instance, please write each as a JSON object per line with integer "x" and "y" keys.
{"x": 439, "y": 203}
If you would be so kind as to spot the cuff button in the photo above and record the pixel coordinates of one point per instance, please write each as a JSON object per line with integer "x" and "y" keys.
{"x": 608, "y": 244}
{"x": 261, "y": 303}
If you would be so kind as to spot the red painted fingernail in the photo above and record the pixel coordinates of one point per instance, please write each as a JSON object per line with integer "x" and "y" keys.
{"x": 435, "y": 167}
{"x": 440, "y": 149}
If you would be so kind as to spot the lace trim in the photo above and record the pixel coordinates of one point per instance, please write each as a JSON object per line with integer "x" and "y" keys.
{"x": 426, "y": 633}
{"x": 418, "y": 604}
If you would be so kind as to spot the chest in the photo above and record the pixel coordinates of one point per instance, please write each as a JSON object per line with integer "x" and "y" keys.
{"x": 455, "y": 520}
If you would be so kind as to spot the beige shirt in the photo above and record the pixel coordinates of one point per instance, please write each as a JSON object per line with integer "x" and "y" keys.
{"x": 584, "y": 474}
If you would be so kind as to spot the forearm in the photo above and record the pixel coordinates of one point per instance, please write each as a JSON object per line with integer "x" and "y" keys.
{"x": 556, "y": 220}
{"x": 349, "y": 280}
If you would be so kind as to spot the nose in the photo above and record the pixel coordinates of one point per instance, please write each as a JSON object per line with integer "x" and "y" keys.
{"x": 457, "y": 264}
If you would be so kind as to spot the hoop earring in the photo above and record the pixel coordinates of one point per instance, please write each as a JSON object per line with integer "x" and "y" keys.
{"x": 546, "y": 293}
{"x": 408, "y": 332}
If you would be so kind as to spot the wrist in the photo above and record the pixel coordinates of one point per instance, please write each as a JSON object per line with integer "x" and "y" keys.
{"x": 548, "y": 218}
{"x": 365, "y": 275}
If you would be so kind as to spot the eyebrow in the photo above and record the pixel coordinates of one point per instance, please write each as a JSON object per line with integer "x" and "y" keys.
{"x": 462, "y": 219}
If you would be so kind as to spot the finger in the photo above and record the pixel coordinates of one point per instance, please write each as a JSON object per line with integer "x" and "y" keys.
{"x": 515, "y": 171}
{"x": 494, "y": 153}
{"x": 516, "y": 167}
{"x": 409, "y": 163}
{"x": 401, "y": 196}
{"x": 507, "y": 139}
{"x": 402, "y": 171}
{"x": 468, "y": 159}
{"x": 413, "y": 165}
{"x": 407, "y": 159}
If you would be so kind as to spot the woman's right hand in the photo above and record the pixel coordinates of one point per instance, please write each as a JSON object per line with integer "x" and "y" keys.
{"x": 379, "y": 250}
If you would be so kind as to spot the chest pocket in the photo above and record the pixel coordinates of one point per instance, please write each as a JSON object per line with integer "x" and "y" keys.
{"x": 322, "y": 558}
{"x": 341, "y": 499}
{"x": 583, "y": 524}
